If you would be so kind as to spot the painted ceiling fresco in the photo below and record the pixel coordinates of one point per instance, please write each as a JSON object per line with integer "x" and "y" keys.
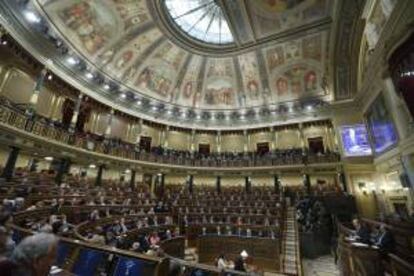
{"x": 121, "y": 38}
{"x": 274, "y": 16}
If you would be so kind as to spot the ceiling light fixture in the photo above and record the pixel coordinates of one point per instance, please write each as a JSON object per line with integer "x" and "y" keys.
{"x": 89, "y": 75}
{"x": 32, "y": 17}
{"x": 72, "y": 60}
{"x": 49, "y": 158}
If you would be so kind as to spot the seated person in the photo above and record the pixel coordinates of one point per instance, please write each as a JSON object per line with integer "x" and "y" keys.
{"x": 240, "y": 263}
{"x": 362, "y": 232}
{"x": 136, "y": 247}
{"x": 97, "y": 237}
{"x": 33, "y": 256}
{"x": 144, "y": 242}
{"x": 223, "y": 263}
{"x": 123, "y": 226}
{"x": 385, "y": 240}
{"x": 154, "y": 240}
{"x": 6, "y": 235}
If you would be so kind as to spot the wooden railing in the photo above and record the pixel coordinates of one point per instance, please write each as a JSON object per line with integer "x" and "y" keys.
{"x": 368, "y": 260}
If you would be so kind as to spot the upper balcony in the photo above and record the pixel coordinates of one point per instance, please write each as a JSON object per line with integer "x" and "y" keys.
{"x": 14, "y": 119}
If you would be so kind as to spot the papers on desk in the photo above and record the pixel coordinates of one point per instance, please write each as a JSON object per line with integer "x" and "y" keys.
{"x": 55, "y": 270}
{"x": 360, "y": 244}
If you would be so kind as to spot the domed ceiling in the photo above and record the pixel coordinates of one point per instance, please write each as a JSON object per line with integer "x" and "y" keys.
{"x": 123, "y": 39}
{"x": 202, "y": 55}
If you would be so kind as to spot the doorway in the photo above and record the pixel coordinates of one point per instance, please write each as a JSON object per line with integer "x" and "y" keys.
{"x": 204, "y": 149}
{"x": 145, "y": 143}
{"x": 262, "y": 148}
{"x": 316, "y": 145}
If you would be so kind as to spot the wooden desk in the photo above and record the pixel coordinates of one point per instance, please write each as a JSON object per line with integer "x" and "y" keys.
{"x": 264, "y": 252}
{"x": 174, "y": 247}
{"x": 359, "y": 260}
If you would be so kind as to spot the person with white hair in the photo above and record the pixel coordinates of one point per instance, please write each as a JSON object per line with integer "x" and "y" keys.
{"x": 35, "y": 255}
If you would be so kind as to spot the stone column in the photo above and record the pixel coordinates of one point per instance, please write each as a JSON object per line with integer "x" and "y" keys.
{"x": 160, "y": 184}
{"x": 218, "y": 184}
{"x": 8, "y": 170}
{"x": 328, "y": 143}
{"x": 272, "y": 141}
{"x": 218, "y": 141}
{"x": 334, "y": 138}
{"x": 109, "y": 126}
{"x": 190, "y": 181}
{"x": 36, "y": 91}
{"x": 371, "y": 35}
{"x": 63, "y": 168}
{"x": 275, "y": 138}
{"x": 139, "y": 131}
{"x": 407, "y": 162}
{"x": 52, "y": 105}
{"x": 397, "y": 108}
{"x": 166, "y": 134}
{"x": 75, "y": 115}
{"x": 307, "y": 183}
{"x": 33, "y": 165}
{"x": 246, "y": 141}
{"x": 387, "y": 7}
{"x": 302, "y": 137}
{"x": 247, "y": 184}
{"x": 342, "y": 180}
{"x": 276, "y": 183}
{"x": 132, "y": 180}
{"x": 98, "y": 180}
{"x": 192, "y": 145}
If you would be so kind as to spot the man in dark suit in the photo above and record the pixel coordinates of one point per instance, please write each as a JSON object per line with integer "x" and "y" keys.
{"x": 362, "y": 232}
{"x": 385, "y": 240}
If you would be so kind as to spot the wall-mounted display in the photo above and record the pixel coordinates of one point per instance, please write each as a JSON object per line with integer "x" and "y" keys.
{"x": 355, "y": 140}
{"x": 380, "y": 126}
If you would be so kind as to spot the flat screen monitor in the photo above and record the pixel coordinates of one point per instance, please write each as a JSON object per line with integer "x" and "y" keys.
{"x": 355, "y": 140}
{"x": 381, "y": 127}
{"x": 89, "y": 261}
{"x": 63, "y": 252}
{"x": 132, "y": 266}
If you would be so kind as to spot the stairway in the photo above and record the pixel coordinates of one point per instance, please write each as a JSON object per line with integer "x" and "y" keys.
{"x": 290, "y": 257}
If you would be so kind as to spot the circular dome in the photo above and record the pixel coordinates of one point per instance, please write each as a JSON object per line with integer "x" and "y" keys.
{"x": 203, "y": 20}
{"x": 219, "y": 63}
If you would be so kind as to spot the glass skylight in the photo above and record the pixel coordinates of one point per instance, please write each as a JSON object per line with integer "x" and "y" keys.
{"x": 200, "y": 19}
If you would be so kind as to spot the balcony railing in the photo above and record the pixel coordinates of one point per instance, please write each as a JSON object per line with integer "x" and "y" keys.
{"x": 43, "y": 127}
